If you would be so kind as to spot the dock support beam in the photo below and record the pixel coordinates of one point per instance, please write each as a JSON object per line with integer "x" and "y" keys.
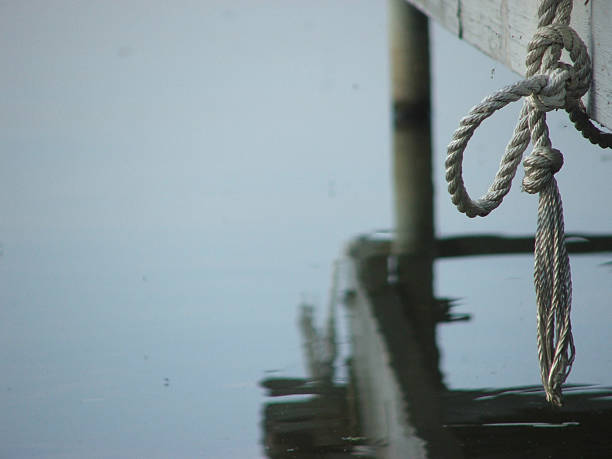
{"x": 410, "y": 85}
{"x": 412, "y": 248}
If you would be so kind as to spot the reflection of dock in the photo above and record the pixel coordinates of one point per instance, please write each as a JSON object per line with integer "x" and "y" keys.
{"x": 324, "y": 424}
{"x": 490, "y": 244}
{"x": 396, "y": 374}
{"x": 319, "y": 426}
{"x": 395, "y": 404}
{"x": 405, "y": 409}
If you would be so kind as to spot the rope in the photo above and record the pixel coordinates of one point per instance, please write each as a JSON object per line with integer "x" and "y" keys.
{"x": 550, "y": 84}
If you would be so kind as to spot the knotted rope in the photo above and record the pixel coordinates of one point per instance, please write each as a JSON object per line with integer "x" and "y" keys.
{"x": 550, "y": 84}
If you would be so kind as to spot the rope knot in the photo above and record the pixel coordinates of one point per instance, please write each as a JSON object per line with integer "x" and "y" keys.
{"x": 540, "y": 166}
{"x": 566, "y": 83}
{"x": 554, "y": 94}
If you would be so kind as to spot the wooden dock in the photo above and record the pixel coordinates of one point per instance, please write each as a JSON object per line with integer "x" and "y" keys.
{"x": 502, "y": 29}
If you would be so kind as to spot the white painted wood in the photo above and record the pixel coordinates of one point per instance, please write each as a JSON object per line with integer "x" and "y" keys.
{"x": 502, "y": 29}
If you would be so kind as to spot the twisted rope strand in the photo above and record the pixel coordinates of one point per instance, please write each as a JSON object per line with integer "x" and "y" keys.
{"x": 553, "y": 294}
{"x": 558, "y": 11}
{"x": 589, "y": 131}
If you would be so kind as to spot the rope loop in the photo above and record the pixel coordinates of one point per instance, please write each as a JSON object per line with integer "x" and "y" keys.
{"x": 540, "y": 166}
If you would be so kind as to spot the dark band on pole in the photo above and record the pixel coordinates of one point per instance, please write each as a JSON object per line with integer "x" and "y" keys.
{"x": 410, "y": 114}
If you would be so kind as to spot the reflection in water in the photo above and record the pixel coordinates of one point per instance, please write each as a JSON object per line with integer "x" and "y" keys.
{"x": 395, "y": 403}
{"x": 324, "y": 424}
{"x": 515, "y": 422}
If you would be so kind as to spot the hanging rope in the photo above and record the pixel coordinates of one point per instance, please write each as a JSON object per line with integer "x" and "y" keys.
{"x": 550, "y": 84}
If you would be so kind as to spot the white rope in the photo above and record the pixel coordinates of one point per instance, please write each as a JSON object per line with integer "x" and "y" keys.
{"x": 550, "y": 84}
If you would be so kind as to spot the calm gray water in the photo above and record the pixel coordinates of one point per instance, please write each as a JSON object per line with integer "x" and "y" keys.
{"x": 176, "y": 179}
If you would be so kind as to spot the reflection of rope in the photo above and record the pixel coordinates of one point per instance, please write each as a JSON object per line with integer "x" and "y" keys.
{"x": 550, "y": 84}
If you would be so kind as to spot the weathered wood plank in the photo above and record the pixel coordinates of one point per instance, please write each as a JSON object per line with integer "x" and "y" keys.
{"x": 502, "y": 29}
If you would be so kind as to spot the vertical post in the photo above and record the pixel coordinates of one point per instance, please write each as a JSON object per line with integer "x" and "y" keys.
{"x": 413, "y": 189}
{"x": 412, "y": 247}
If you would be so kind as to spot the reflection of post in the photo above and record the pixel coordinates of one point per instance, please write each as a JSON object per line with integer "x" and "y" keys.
{"x": 320, "y": 346}
{"x": 409, "y": 41}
